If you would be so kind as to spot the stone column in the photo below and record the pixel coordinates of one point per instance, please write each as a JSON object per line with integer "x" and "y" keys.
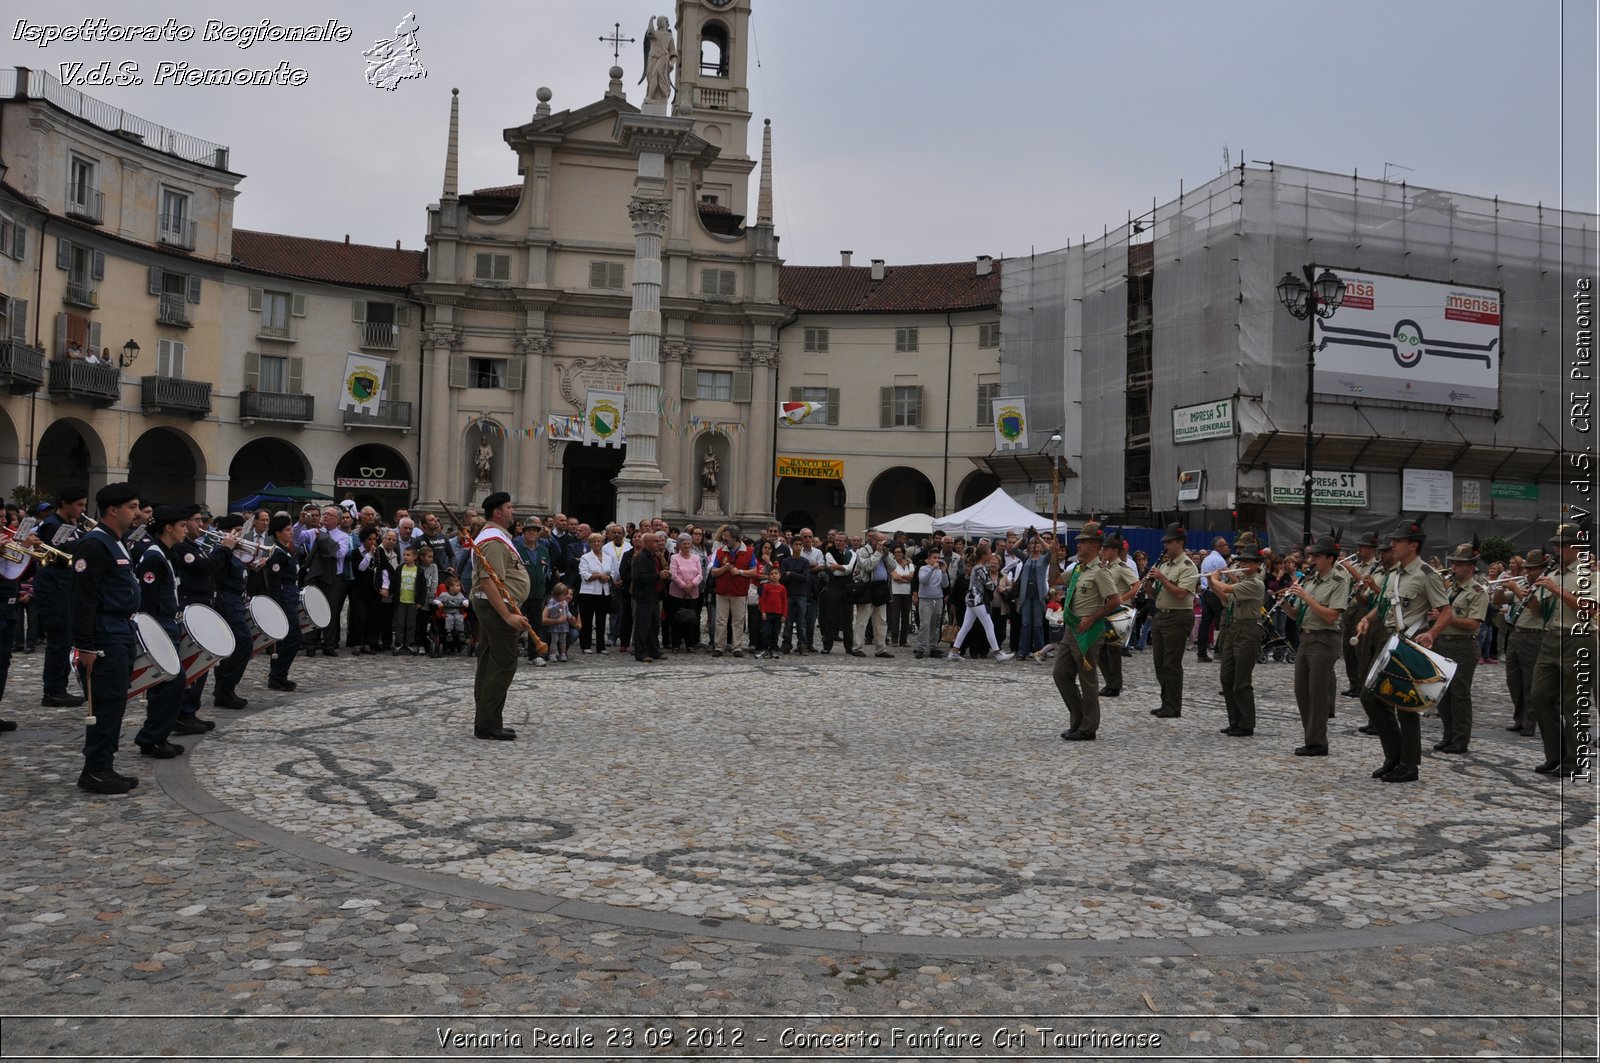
{"x": 441, "y": 438}
{"x": 680, "y": 478}
{"x": 756, "y": 502}
{"x": 528, "y": 479}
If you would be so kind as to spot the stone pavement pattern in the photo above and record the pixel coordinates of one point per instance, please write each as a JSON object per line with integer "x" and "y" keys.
{"x": 137, "y": 905}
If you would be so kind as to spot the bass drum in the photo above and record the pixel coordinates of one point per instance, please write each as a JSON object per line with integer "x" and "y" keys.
{"x": 158, "y": 659}
{"x": 271, "y": 624}
{"x": 207, "y": 639}
{"x": 315, "y": 612}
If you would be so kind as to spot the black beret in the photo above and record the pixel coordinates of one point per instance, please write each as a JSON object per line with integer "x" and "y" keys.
{"x": 116, "y": 494}
{"x": 494, "y": 502}
{"x": 280, "y": 522}
{"x": 229, "y": 521}
{"x": 74, "y": 492}
{"x": 165, "y": 516}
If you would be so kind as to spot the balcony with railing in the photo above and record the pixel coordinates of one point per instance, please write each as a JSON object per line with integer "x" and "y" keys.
{"x": 21, "y": 367}
{"x": 395, "y": 415}
{"x": 100, "y": 385}
{"x": 176, "y": 231}
{"x": 165, "y": 394}
{"x": 713, "y": 99}
{"x": 82, "y": 293}
{"x": 275, "y": 406}
{"x": 174, "y": 310}
{"x": 380, "y": 335}
{"x": 283, "y": 332}
{"x": 85, "y": 203}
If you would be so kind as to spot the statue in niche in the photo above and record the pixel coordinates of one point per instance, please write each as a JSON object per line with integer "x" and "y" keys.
{"x": 660, "y": 53}
{"x": 708, "y": 472}
{"x": 483, "y": 459}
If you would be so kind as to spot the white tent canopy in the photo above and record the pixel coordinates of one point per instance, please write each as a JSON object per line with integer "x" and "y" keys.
{"x": 995, "y": 515}
{"x": 911, "y": 524}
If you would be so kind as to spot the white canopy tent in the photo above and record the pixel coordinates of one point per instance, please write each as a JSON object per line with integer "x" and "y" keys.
{"x": 995, "y": 515}
{"x": 911, "y": 524}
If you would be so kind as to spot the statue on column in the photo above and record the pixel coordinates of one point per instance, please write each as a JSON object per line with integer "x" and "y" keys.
{"x": 660, "y": 53}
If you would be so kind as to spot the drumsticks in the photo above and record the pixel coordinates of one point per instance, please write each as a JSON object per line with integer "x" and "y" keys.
{"x": 539, "y": 645}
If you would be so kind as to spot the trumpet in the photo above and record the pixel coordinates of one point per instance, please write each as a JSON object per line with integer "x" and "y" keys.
{"x": 12, "y": 550}
{"x": 212, "y": 539}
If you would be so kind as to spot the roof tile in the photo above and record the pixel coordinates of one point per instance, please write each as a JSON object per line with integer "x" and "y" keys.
{"x": 935, "y": 286}
{"x": 336, "y": 262}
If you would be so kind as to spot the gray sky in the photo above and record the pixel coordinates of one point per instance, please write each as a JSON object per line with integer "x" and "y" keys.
{"x": 909, "y": 130}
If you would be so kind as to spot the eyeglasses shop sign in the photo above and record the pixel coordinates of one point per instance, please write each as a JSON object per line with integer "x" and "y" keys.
{"x": 1344, "y": 490}
{"x": 1209, "y": 420}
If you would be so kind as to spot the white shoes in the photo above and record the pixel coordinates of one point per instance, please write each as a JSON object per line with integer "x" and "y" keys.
{"x": 953, "y": 655}
{"x": 1002, "y": 656}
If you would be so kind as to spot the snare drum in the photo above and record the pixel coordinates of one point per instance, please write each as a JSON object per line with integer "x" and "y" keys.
{"x": 1408, "y": 677}
{"x": 158, "y": 659}
{"x": 1121, "y": 621}
{"x": 270, "y": 621}
{"x": 315, "y": 612}
{"x": 207, "y": 639}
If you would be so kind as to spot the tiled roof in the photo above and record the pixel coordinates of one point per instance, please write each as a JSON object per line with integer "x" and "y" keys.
{"x": 498, "y": 192}
{"x": 359, "y": 265}
{"x": 937, "y": 286}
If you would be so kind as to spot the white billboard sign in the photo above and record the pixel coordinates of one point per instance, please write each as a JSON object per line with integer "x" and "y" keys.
{"x": 1345, "y": 490}
{"x": 1209, "y": 420}
{"x": 1428, "y": 490}
{"x": 1411, "y": 341}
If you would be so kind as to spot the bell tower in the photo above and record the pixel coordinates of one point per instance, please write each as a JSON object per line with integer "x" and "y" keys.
{"x": 714, "y": 50}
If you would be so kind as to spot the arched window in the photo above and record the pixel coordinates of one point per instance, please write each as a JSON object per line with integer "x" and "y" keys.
{"x": 714, "y": 50}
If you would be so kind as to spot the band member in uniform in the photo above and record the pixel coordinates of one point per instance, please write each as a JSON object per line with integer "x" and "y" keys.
{"x": 1413, "y": 589}
{"x": 1177, "y": 579}
{"x": 1323, "y": 597}
{"x": 105, "y": 595}
{"x": 1375, "y": 601}
{"x": 1365, "y": 565}
{"x": 1569, "y": 638}
{"x": 158, "y": 596}
{"x": 138, "y": 536}
{"x": 1241, "y": 639}
{"x": 1469, "y": 602}
{"x": 283, "y": 587}
{"x": 499, "y": 620}
{"x": 52, "y": 594}
{"x": 1089, "y": 598}
{"x": 230, "y": 605}
{"x": 1531, "y": 608}
{"x": 1124, "y": 577}
{"x": 10, "y": 615}
{"x": 198, "y": 567}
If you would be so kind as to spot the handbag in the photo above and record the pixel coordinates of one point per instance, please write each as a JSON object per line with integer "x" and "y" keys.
{"x": 861, "y": 593}
{"x": 880, "y": 592}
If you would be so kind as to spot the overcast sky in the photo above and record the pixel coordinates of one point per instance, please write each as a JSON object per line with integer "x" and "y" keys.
{"x": 909, "y": 130}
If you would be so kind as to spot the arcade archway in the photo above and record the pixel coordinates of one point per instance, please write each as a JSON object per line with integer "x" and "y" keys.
{"x": 167, "y": 466}
{"x": 814, "y": 504}
{"x": 70, "y": 453}
{"x": 896, "y": 492}
{"x": 586, "y": 489}
{"x": 374, "y": 475}
{"x": 974, "y": 489}
{"x": 263, "y": 461}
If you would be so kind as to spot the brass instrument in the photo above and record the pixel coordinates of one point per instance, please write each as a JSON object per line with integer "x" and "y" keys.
{"x": 212, "y": 539}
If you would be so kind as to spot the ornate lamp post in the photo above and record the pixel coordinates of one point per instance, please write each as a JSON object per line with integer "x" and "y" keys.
{"x": 130, "y": 354}
{"x": 1309, "y": 300}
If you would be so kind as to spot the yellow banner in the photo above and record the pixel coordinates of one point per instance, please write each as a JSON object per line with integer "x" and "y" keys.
{"x": 811, "y": 468}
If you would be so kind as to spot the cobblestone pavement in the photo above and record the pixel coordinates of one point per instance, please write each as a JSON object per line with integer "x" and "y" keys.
{"x": 876, "y": 844}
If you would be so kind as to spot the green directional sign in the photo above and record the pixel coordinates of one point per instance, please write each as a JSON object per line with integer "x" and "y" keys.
{"x": 1514, "y": 489}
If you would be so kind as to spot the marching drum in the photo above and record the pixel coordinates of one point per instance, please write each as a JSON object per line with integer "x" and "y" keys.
{"x": 1121, "y": 620}
{"x": 158, "y": 659}
{"x": 207, "y": 639}
{"x": 315, "y": 612}
{"x": 270, "y": 621}
{"x": 1408, "y": 677}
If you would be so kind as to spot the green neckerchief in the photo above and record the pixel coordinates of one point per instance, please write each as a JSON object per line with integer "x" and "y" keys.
{"x": 1096, "y": 631}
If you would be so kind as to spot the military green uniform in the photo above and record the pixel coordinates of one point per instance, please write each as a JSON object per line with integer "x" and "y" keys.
{"x": 497, "y": 640}
{"x": 1455, "y": 707}
{"x": 1241, "y": 645}
{"x": 1557, "y": 691}
{"x": 1412, "y": 591}
{"x": 1529, "y": 617}
{"x": 1169, "y": 631}
{"x": 1349, "y": 645}
{"x": 1319, "y": 653}
{"x": 1088, "y": 587}
{"x": 1124, "y": 579}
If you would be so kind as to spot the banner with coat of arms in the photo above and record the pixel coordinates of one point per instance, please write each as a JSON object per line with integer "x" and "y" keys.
{"x": 363, "y": 383}
{"x": 602, "y": 419}
{"x": 1011, "y": 424}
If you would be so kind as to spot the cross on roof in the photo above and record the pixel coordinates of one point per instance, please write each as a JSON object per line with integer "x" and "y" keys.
{"x": 616, "y": 40}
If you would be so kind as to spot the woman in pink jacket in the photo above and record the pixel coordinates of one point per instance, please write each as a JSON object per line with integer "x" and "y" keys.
{"x": 683, "y": 594}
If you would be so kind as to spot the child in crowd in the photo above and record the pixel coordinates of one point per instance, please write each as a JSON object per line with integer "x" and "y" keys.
{"x": 427, "y": 588}
{"x": 405, "y": 613}
{"x": 454, "y": 605}
{"x": 774, "y": 601}
{"x": 559, "y": 621}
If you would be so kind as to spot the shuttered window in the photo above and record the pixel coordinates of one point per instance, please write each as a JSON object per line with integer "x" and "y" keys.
{"x": 817, "y": 341}
{"x": 900, "y": 406}
{"x": 719, "y": 283}
{"x": 606, "y": 275}
{"x": 905, "y": 340}
{"x": 492, "y": 267}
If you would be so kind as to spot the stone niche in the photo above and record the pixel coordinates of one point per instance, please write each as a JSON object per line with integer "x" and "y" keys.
{"x": 707, "y": 502}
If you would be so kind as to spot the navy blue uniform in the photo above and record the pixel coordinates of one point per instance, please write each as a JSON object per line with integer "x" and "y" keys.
{"x": 158, "y": 596}
{"x": 52, "y": 596}
{"x": 198, "y": 569}
{"x": 283, "y": 586}
{"x": 105, "y": 595}
{"x": 230, "y": 604}
{"x": 10, "y": 622}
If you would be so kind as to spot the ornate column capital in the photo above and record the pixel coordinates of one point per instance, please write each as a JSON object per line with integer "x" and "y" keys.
{"x": 442, "y": 337}
{"x": 761, "y": 356}
{"x": 676, "y": 351}
{"x": 534, "y": 343}
{"x": 649, "y": 216}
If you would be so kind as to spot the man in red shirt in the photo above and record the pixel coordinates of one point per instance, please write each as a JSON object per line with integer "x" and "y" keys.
{"x": 733, "y": 566}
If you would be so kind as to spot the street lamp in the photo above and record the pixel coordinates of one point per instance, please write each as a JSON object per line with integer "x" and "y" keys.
{"x": 130, "y": 354}
{"x": 1055, "y": 478}
{"x": 1308, "y": 300}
